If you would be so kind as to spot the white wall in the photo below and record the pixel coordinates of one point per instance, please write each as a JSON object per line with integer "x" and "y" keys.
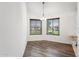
{"x": 66, "y": 12}
{"x": 13, "y": 28}
{"x": 78, "y": 29}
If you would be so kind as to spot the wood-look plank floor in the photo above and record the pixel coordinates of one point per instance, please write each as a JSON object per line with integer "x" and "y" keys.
{"x": 48, "y": 49}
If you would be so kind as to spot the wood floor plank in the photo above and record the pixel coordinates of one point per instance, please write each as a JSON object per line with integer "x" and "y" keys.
{"x": 48, "y": 49}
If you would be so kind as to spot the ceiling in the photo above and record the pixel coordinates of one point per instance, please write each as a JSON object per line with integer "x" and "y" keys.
{"x": 50, "y": 8}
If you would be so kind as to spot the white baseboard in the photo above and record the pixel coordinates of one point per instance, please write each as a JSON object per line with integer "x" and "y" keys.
{"x": 50, "y": 40}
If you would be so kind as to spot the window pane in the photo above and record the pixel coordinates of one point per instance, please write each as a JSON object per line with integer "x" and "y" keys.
{"x": 56, "y": 26}
{"x": 53, "y": 26}
{"x": 50, "y": 27}
{"x": 35, "y": 27}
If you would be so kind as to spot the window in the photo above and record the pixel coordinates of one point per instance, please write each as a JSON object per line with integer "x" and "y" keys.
{"x": 53, "y": 26}
{"x": 35, "y": 27}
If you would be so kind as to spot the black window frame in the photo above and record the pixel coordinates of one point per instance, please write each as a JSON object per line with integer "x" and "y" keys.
{"x": 40, "y": 28}
{"x": 58, "y": 26}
